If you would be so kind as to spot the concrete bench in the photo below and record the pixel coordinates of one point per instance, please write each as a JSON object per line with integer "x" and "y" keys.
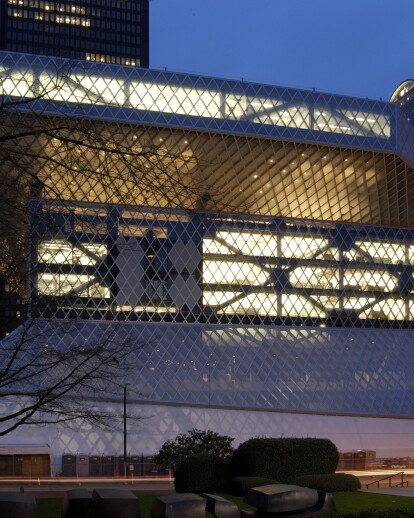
{"x": 17, "y": 505}
{"x": 115, "y": 503}
{"x": 76, "y": 503}
{"x": 285, "y": 499}
{"x": 220, "y": 507}
{"x": 181, "y": 505}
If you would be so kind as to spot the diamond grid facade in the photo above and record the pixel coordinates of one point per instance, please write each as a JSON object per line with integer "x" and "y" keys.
{"x": 164, "y": 167}
{"x": 103, "y": 262}
{"x": 179, "y": 152}
{"x": 355, "y": 371}
{"x": 164, "y": 98}
{"x": 258, "y": 241}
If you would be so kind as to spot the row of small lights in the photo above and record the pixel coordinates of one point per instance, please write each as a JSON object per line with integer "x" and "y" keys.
{"x": 47, "y": 6}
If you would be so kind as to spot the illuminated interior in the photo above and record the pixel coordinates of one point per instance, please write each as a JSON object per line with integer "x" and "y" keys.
{"x": 112, "y": 32}
{"x": 63, "y": 252}
{"x": 59, "y": 284}
{"x": 226, "y": 272}
{"x": 49, "y": 17}
{"x": 312, "y": 275}
{"x": 296, "y": 271}
{"x": 241, "y": 174}
{"x": 212, "y": 103}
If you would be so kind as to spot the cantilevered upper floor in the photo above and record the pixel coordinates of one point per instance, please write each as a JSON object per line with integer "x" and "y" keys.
{"x": 118, "y": 93}
{"x": 159, "y": 139}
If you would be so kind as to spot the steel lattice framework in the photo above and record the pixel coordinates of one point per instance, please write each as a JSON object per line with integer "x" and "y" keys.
{"x": 165, "y": 98}
{"x": 345, "y": 371}
{"x": 203, "y": 143}
{"x": 105, "y": 262}
{"x": 233, "y": 228}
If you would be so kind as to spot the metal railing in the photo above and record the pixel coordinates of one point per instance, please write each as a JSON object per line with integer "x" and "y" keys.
{"x": 402, "y": 483}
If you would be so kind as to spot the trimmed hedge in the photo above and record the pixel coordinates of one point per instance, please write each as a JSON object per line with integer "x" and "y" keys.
{"x": 284, "y": 459}
{"x": 240, "y": 485}
{"x": 329, "y": 483}
{"x": 202, "y": 473}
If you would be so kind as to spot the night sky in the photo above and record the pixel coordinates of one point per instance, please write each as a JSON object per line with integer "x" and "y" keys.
{"x": 363, "y": 48}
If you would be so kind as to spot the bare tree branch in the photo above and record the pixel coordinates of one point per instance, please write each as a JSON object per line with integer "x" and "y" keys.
{"x": 74, "y": 160}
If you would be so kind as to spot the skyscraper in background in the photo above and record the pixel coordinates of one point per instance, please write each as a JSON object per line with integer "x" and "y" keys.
{"x": 108, "y": 31}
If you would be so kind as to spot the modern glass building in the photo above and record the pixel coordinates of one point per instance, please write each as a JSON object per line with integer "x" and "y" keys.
{"x": 107, "y": 31}
{"x": 257, "y": 241}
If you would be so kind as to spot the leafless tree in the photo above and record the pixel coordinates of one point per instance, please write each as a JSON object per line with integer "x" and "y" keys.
{"x": 44, "y": 382}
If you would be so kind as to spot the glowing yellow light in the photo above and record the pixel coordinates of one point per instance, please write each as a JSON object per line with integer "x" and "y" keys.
{"x": 295, "y": 305}
{"x": 301, "y": 247}
{"x": 193, "y": 101}
{"x": 256, "y": 244}
{"x": 224, "y": 272}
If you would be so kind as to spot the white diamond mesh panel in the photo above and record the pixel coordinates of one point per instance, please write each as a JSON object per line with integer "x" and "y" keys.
{"x": 363, "y": 371}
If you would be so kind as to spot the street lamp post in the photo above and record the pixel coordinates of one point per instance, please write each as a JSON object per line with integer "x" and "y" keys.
{"x": 125, "y": 434}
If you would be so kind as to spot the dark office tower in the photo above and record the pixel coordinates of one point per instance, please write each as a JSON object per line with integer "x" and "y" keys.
{"x": 108, "y": 31}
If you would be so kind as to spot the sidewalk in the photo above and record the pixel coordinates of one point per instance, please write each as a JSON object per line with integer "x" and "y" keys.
{"x": 385, "y": 482}
{"x": 57, "y": 487}
{"x": 394, "y": 491}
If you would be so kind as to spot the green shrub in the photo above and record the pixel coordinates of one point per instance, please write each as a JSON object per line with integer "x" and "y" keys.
{"x": 284, "y": 459}
{"x": 202, "y": 473}
{"x": 329, "y": 483}
{"x": 194, "y": 442}
{"x": 240, "y": 485}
